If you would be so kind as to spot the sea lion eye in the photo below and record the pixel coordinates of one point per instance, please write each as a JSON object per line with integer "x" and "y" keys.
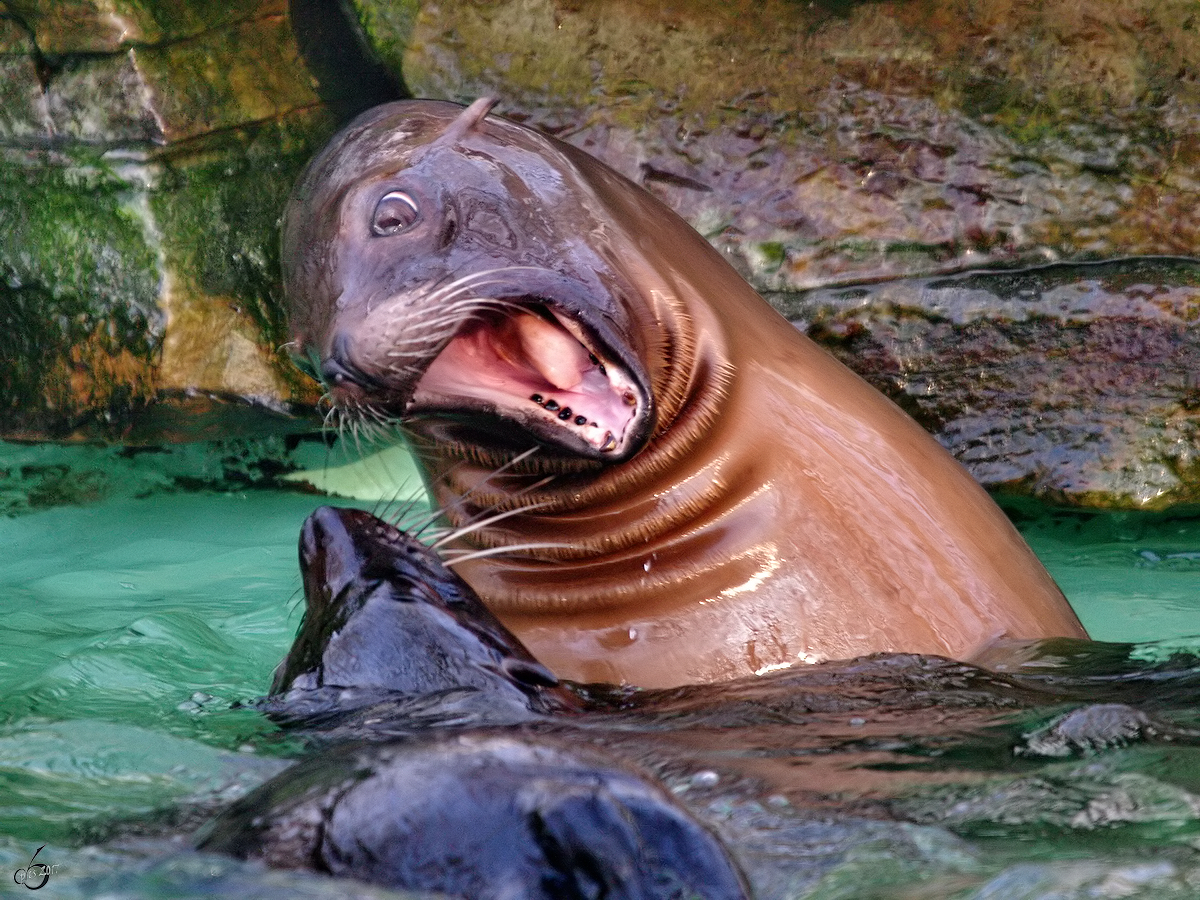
{"x": 394, "y": 212}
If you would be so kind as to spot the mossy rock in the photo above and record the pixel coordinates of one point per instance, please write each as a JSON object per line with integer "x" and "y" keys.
{"x": 1075, "y": 383}
{"x": 66, "y": 28}
{"x": 81, "y": 323}
{"x": 141, "y": 184}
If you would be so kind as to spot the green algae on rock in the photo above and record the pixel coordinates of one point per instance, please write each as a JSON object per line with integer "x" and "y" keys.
{"x": 145, "y": 158}
{"x": 846, "y": 143}
{"x": 79, "y": 320}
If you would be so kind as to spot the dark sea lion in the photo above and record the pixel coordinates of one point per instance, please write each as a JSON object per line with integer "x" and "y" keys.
{"x": 390, "y": 636}
{"x": 387, "y": 623}
{"x": 712, "y": 495}
{"x": 484, "y": 816}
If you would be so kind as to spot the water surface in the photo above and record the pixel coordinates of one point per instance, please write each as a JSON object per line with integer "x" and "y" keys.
{"x": 134, "y": 623}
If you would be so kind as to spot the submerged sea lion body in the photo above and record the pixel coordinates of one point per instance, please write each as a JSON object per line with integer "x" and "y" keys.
{"x": 485, "y": 816}
{"x": 712, "y": 494}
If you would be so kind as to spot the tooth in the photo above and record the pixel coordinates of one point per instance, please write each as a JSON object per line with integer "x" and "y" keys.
{"x": 555, "y": 353}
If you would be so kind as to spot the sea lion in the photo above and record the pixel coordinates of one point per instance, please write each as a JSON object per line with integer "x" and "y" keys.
{"x": 690, "y": 489}
{"x": 393, "y": 643}
{"x": 387, "y": 624}
{"x": 390, "y": 636}
{"x": 486, "y": 816}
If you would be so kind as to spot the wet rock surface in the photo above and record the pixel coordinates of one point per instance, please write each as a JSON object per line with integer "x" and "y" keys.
{"x": 819, "y": 142}
{"x": 1073, "y": 382}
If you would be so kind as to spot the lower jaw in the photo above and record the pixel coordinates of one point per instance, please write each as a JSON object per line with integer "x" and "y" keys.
{"x": 492, "y": 441}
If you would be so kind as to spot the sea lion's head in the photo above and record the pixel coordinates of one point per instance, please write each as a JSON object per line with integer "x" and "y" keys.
{"x": 445, "y": 266}
{"x": 385, "y": 617}
{"x": 491, "y": 816}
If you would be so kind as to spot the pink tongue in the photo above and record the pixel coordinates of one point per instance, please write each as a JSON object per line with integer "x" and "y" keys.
{"x": 555, "y": 353}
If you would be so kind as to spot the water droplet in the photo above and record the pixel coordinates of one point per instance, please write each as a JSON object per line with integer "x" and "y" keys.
{"x": 617, "y": 638}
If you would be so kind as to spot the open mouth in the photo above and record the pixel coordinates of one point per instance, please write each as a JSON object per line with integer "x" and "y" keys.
{"x": 536, "y": 366}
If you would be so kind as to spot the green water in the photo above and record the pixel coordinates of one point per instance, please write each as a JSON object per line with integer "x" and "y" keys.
{"x": 133, "y": 623}
{"x": 1130, "y": 576}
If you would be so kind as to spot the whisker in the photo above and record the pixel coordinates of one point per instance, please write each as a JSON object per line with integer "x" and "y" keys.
{"x": 484, "y": 523}
{"x": 400, "y": 509}
{"x": 541, "y": 482}
{"x": 433, "y": 534}
{"x": 485, "y": 276}
{"x": 451, "y": 562}
{"x": 297, "y": 599}
{"x": 441, "y": 511}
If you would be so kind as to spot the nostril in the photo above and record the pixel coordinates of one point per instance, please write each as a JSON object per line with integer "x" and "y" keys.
{"x": 337, "y": 368}
{"x": 322, "y": 527}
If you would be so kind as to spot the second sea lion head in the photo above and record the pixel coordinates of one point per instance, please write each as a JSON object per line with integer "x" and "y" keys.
{"x": 384, "y": 614}
{"x": 451, "y": 267}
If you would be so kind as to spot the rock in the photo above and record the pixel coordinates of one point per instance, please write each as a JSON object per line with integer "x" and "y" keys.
{"x": 146, "y": 150}
{"x": 819, "y": 142}
{"x": 1076, "y": 383}
{"x": 1090, "y": 729}
{"x": 191, "y": 444}
{"x": 848, "y": 144}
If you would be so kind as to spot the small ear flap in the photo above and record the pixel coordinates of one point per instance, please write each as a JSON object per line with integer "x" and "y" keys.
{"x": 529, "y": 672}
{"x": 468, "y": 119}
